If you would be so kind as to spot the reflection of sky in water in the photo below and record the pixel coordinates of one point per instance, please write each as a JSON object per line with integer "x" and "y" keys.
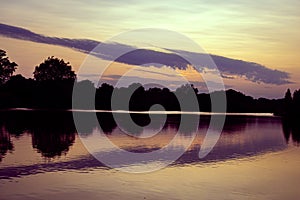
{"x": 251, "y": 153}
{"x": 26, "y": 144}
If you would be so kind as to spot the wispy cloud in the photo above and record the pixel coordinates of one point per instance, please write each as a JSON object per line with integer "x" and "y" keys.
{"x": 251, "y": 71}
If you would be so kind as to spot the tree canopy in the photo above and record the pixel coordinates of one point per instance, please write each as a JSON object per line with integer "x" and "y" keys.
{"x": 54, "y": 69}
{"x": 7, "y": 68}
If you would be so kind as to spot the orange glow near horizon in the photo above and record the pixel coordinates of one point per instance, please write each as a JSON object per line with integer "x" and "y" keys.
{"x": 29, "y": 54}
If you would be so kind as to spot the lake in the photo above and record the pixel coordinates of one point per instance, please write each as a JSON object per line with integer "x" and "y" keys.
{"x": 42, "y": 156}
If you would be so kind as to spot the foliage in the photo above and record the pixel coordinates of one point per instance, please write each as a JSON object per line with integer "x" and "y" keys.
{"x": 7, "y": 68}
{"x": 288, "y": 95}
{"x": 54, "y": 69}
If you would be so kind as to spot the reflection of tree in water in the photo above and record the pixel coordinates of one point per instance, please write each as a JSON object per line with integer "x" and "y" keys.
{"x": 5, "y": 142}
{"x": 16, "y": 123}
{"x": 53, "y": 134}
{"x": 291, "y": 129}
{"x": 234, "y": 124}
{"x": 296, "y": 134}
{"x": 136, "y": 123}
{"x": 51, "y": 143}
{"x": 88, "y": 121}
{"x": 286, "y": 128}
{"x": 8, "y": 126}
{"x": 106, "y": 122}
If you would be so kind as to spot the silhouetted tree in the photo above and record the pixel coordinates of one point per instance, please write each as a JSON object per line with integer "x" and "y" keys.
{"x": 54, "y": 69}
{"x": 84, "y": 94}
{"x": 185, "y": 95}
{"x": 296, "y": 102}
{"x": 54, "y": 83}
{"x": 186, "y": 89}
{"x": 288, "y": 101}
{"x": 7, "y": 68}
{"x": 21, "y": 91}
{"x": 103, "y": 97}
{"x": 17, "y": 78}
{"x": 288, "y": 96}
{"x": 296, "y": 96}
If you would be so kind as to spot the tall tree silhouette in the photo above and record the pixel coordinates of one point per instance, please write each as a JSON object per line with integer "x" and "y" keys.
{"x": 288, "y": 101}
{"x": 103, "y": 97}
{"x": 296, "y": 102}
{"x": 7, "y": 68}
{"x": 54, "y": 69}
{"x": 288, "y": 96}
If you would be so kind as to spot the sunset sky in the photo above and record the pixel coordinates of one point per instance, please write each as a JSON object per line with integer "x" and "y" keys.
{"x": 264, "y": 32}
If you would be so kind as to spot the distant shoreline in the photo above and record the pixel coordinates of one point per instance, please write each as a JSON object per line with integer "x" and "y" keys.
{"x": 142, "y": 112}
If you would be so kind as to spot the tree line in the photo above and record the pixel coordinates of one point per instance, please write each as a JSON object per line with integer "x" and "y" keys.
{"x": 53, "y": 81}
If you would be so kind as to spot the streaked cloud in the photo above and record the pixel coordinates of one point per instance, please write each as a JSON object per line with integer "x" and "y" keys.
{"x": 251, "y": 71}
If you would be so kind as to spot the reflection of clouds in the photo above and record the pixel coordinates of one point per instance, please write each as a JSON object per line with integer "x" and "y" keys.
{"x": 242, "y": 137}
{"x": 251, "y": 71}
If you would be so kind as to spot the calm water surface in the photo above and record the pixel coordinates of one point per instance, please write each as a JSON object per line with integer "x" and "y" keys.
{"x": 42, "y": 157}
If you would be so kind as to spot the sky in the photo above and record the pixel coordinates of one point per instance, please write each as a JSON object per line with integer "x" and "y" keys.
{"x": 265, "y": 32}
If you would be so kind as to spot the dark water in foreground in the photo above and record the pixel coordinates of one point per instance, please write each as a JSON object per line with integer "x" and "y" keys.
{"x": 42, "y": 157}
